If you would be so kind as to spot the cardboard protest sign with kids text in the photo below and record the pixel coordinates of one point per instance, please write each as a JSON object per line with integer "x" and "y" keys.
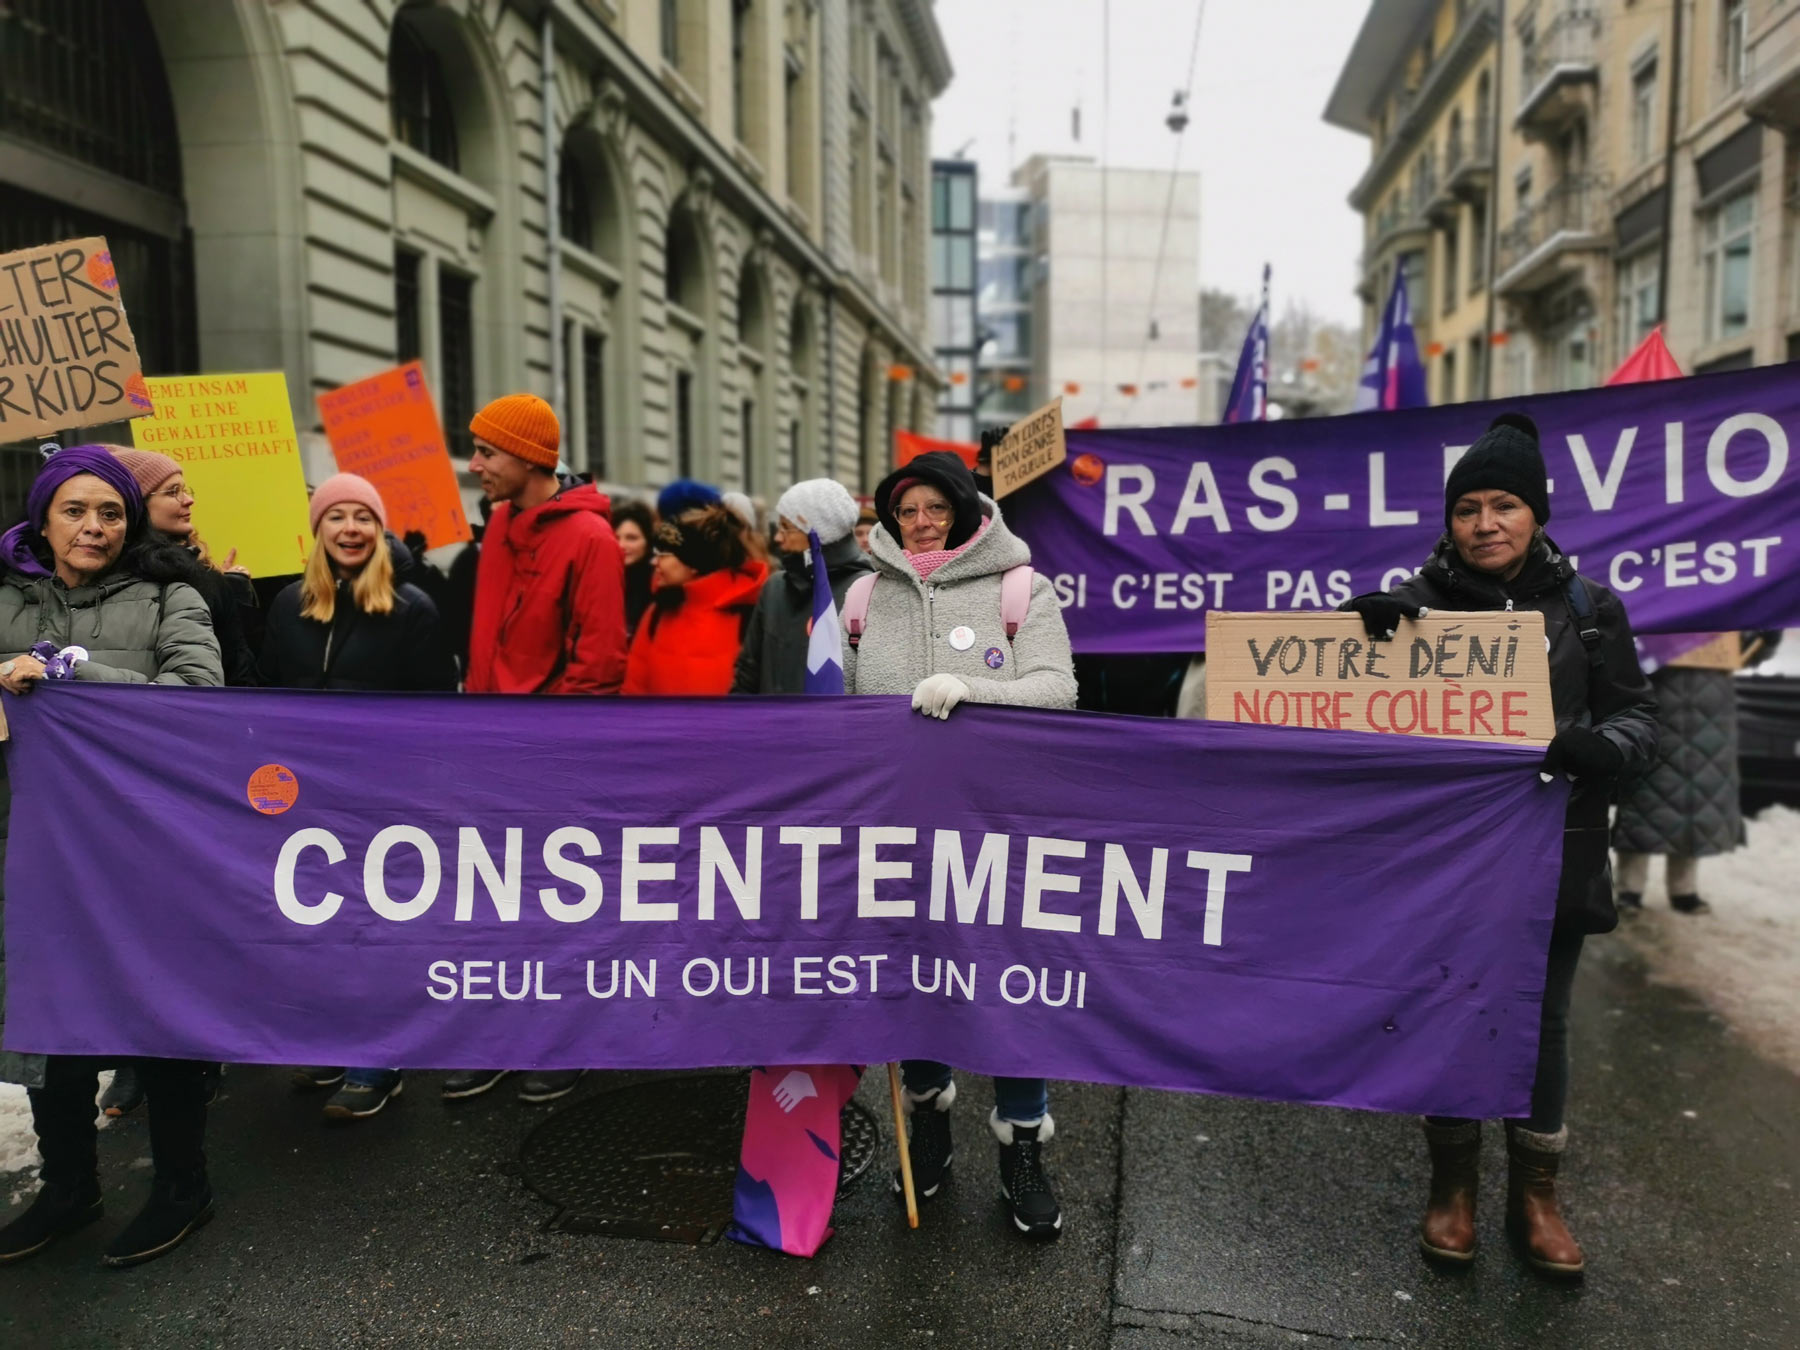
{"x": 386, "y": 429}
{"x": 67, "y": 357}
{"x": 234, "y": 438}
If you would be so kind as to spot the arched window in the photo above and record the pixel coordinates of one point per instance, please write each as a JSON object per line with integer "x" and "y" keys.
{"x": 684, "y": 276}
{"x": 801, "y": 448}
{"x": 418, "y": 97}
{"x": 574, "y": 211}
{"x": 756, "y": 358}
{"x": 85, "y": 80}
{"x": 693, "y": 337}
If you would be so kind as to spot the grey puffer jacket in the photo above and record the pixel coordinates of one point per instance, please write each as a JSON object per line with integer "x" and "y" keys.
{"x": 136, "y": 632}
{"x": 907, "y": 636}
{"x": 1688, "y": 802}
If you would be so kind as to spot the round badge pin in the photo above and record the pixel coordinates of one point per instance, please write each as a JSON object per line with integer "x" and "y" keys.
{"x": 962, "y": 638}
{"x": 995, "y": 658}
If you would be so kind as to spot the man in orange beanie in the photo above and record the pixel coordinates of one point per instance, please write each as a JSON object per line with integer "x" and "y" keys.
{"x": 549, "y": 602}
{"x": 550, "y": 586}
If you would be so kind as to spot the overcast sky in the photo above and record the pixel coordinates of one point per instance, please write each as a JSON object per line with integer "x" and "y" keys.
{"x": 1273, "y": 176}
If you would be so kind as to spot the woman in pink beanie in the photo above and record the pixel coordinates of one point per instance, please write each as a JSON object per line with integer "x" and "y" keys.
{"x": 349, "y": 624}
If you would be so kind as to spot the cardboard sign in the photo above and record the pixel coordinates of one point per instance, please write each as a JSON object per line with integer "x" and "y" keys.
{"x": 1724, "y": 652}
{"x": 67, "y": 357}
{"x": 386, "y": 429}
{"x": 1031, "y": 449}
{"x": 234, "y": 437}
{"x": 1482, "y": 677}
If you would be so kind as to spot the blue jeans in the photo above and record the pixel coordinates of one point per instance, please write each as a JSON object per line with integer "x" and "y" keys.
{"x": 375, "y": 1078}
{"x": 1015, "y": 1099}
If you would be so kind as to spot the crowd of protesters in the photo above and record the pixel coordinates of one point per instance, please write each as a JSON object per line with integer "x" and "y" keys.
{"x": 572, "y": 593}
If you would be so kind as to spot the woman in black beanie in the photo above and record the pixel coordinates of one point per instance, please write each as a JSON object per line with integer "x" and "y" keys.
{"x": 1494, "y": 554}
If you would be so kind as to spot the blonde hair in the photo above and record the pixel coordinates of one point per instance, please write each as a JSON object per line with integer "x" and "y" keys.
{"x": 373, "y": 589}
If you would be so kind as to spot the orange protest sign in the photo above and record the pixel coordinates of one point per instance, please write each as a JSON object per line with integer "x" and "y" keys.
{"x": 386, "y": 429}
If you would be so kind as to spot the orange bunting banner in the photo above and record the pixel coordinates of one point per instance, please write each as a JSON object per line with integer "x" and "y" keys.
{"x": 1013, "y": 383}
{"x": 1129, "y": 390}
{"x": 959, "y": 377}
{"x": 1071, "y": 388}
{"x": 900, "y": 372}
{"x": 909, "y": 445}
{"x": 1191, "y": 382}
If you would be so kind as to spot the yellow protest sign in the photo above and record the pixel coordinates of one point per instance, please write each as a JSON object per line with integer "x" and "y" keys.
{"x": 1480, "y": 677}
{"x": 234, "y": 438}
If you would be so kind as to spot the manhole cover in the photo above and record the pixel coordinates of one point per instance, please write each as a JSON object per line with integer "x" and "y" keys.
{"x": 658, "y": 1159}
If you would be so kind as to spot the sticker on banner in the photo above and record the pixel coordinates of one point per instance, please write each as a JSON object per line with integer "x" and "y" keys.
{"x": 962, "y": 638}
{"x": 1086, "y": 469}
{"x": 995, "y": 658}
{"x": 273, "y": 789}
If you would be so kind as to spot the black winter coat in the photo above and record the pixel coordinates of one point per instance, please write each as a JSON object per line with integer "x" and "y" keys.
{"x": 403, "y": 650}
{"x": 773, "y": 657}
{"x": 1688, "y": 803}
{"x": 1614, "y": 698}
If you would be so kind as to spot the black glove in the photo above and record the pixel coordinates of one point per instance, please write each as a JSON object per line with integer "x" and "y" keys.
{"x": 1381, "y": 613}
{"x": 992, "y": 436}
{"x": 1583, "y": 753}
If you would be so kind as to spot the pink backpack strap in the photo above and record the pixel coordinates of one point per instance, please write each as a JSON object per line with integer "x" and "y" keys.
{"x": 856, "y": 606}
{"x": 1015, "y": 598}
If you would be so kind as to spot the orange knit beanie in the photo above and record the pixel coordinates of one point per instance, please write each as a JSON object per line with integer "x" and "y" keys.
{"x": 522, "y": 425}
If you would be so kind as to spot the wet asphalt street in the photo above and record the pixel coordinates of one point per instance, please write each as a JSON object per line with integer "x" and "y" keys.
{"x": 1191, "y": 1222}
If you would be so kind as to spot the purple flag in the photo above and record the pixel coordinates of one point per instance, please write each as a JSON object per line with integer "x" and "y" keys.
{"x": 824, "y": 640}
{"x": 429, "y": 880}
{"x": 1681, "y": 496}
{"x": 1393, "y": 376}
{"x": 1249, "y": 401}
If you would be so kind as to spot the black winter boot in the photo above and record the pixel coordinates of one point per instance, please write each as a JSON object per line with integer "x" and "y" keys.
{"x": 179, "y": 1203}
{"x": 1029, "y": 1199}
{"x": 929, "y": 1149}
{"x": 56, "y": 1211}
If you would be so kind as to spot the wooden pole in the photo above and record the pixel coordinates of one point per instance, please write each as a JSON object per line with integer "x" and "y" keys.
{"x": 906, "y": 1180}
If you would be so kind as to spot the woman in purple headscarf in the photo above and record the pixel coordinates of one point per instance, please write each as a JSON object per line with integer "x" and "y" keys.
{"x": 87, "y": 594}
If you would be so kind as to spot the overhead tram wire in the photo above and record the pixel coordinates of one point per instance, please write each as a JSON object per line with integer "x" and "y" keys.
{"x": 1185, "y": 98}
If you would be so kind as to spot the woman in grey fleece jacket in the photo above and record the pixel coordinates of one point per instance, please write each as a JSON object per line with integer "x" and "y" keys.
{"x": 934, "y": 632}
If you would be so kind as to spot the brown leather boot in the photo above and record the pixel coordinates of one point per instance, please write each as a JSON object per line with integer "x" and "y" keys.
{"x": 1532, "y": 1215}
{"x": 1447, "y": 1232}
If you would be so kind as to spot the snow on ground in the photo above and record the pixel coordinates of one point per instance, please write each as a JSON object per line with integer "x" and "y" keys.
{"x": 1744, "y": 957}
{"x": 18, "y": 1145}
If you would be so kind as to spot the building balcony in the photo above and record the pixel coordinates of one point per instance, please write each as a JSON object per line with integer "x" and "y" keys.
{"x": 1772, "y": 78}
{"x": 1562, "y": 70}
{"x": 1396, "y": 231}
{"x": 1469, "y": 165}
{"x": 1414, "y": 109}
{"x": 1553, "y": 238}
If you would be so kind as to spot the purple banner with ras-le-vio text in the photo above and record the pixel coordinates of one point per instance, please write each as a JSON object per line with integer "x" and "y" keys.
{"x": 430, "y": 881}
{"x": 1680, "y": 495}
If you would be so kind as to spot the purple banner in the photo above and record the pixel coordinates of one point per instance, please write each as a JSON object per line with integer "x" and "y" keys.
{"x": 432, "y": 881}
{"x": 1681, "y": 495}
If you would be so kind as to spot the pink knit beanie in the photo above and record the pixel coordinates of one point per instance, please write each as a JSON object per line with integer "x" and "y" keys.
{"x": 150, "y": 469}
{"x": 346, "y": 488}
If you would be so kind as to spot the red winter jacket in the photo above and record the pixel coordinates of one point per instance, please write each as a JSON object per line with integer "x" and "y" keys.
{"x": 549, "y": 600}
{"x": 694, "y": 649}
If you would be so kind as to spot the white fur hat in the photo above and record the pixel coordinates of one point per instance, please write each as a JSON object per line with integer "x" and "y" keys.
{"x": 821, "y": 504}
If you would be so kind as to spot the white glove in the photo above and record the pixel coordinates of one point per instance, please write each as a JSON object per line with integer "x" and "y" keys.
{"x": 938, "y": 694}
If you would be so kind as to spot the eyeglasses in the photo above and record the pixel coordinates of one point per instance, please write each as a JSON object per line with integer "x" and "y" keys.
{"x": 175, "y": 492}
{"x": 937, "y": 514}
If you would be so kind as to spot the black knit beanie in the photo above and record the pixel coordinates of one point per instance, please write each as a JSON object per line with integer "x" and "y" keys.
{"x": 1507, "y": 459}
{"x": 949, "y": 475}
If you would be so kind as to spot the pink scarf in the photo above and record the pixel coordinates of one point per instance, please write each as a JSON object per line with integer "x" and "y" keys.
{"x": 927, "y": 563}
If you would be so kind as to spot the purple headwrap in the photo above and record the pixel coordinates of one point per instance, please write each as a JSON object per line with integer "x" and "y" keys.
{"x": 16, "y": 545}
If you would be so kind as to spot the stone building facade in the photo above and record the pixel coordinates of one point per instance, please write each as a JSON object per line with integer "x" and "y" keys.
{"x": 1638, "y": 168}
{"x": 699, "y": 227}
